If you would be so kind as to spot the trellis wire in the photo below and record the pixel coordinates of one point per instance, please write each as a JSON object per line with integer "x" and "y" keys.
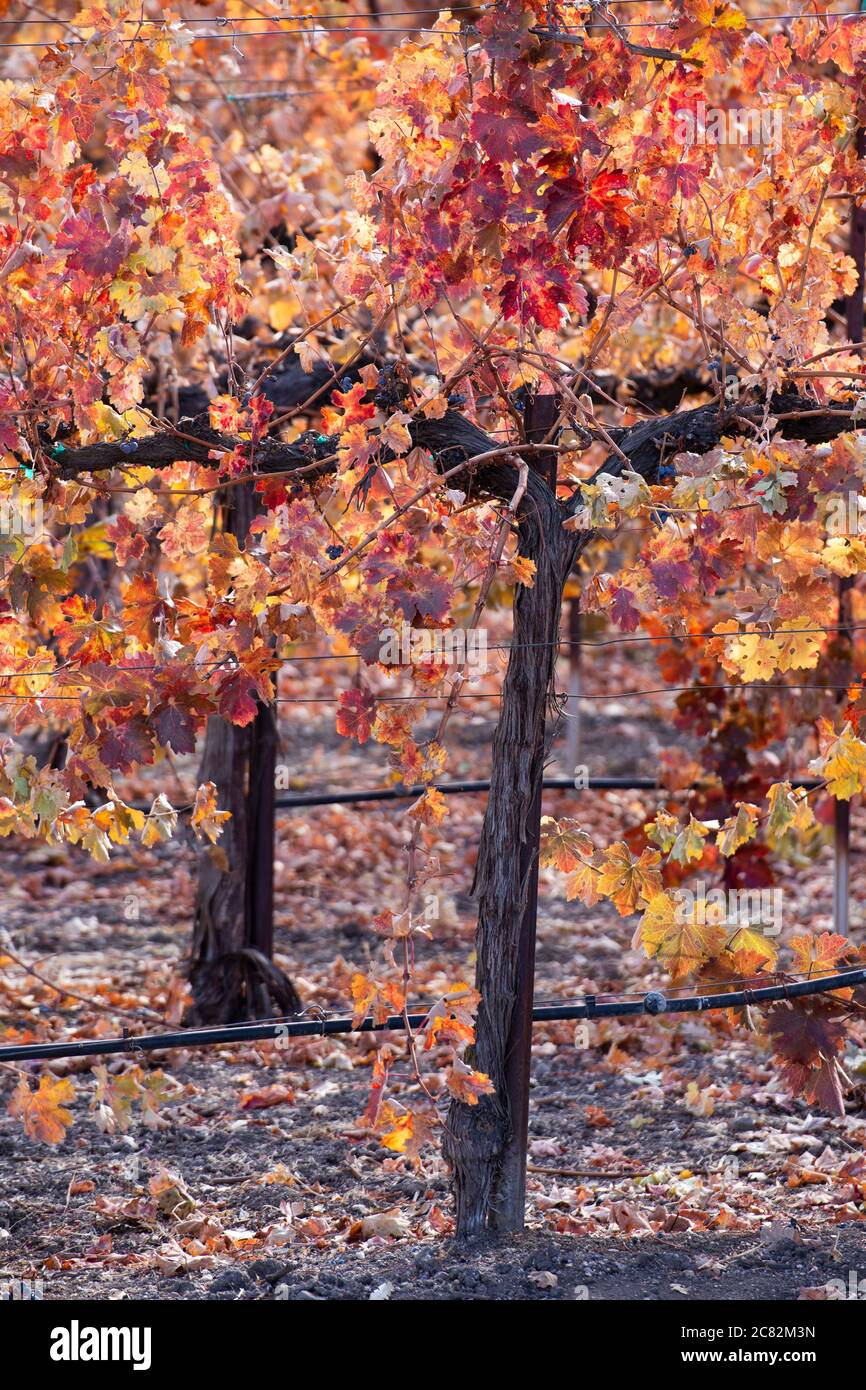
{"x": 565, "y": 31}
{"x": 560, "y": 695}
{"x": 497, "y": 647}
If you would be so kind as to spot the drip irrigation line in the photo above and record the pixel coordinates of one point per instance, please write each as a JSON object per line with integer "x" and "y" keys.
{"x": 242, "y": 98}
{"x": 654, "y": 1003}
{"x": 422, "y": 1009}
{"x": 284, "y": 803}
{"x": 562, "y": 695}
{"x": 340, "y": 797}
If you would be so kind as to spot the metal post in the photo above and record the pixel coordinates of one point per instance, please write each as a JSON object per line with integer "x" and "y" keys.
{"x": 841, "y": 839}
{"x": 507, "y": 1207}
{"x": 261, "y": 822}
{"x": 572, "y": 727}
{"x": 842, "y": 809}
{"x": 854, "y": 322}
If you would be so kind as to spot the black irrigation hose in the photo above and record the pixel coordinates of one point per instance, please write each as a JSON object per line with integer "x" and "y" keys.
{"x": 344, "y": 798}
{"x": 653, "y": 1003}
{"x": 459, "y": 788}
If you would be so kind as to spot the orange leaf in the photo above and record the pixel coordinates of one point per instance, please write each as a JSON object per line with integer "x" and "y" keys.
{"x": 268, "y": 1096}
{"x": 42, "y": 1112}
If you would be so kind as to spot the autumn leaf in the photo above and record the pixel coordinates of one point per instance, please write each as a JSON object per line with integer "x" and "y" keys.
{"x": 395, "y": 435}
{"x": 842, "y": 762}
{"x": 116, "y": 1095}
{"x": 160, "y": 823}
{"x": 400, "y": 1135}
{"x": 798, "y": 649}
{"x": 226, "y": 414}
{"x": 583, "y": 884}
{"x": 807, "y": 1035}
{"x": 468, "y": 1085}
{"x": 451, "y": 1020}
{"x": 266, "y": 1098}
{"x": 755, "y": 944}
{"x": 43, "y": 1112}
{"x": 628, "y": 881}
{"x": 699, "y": 1102}
{"x": 381, "y": 998}
{"x": 364, "y": 993}
{"x": 356, "y": 715}
{"x": 564, "y": 845}
{"x": 738, "y": 830}
{"x": 817, "y": 955}
{"x": 205, "y": 818}
{"x": 673, "y": 937}
{"x": 752, "y": 656}
{"x": 430, "y": 809}
{"x": 689, "y": 843}
{"x": 844, "y": 555}
{"x": 663, "y": 831}
{"x": 523, "y": 570}
{"x": 788, "y": 811}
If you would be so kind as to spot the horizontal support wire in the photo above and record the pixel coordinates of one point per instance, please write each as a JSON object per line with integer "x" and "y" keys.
{"x": 407, "y": 31}
{"x": 653, "y": 1003}
{"x": 142, "y": 669}
{"x": 562, "y": 696}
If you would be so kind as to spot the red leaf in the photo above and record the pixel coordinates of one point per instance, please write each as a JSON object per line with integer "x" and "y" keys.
{"x": 236, "y": 701}
{"x": 356, "y": 714}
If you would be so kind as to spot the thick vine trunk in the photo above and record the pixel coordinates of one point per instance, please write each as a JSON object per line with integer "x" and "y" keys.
{"x": 478, "y": 1135}
{"x": 231, "y": 971}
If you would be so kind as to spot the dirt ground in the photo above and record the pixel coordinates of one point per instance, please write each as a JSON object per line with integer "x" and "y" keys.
{"x": 667, "y": 1159}
{"x": 277, "y": 1203}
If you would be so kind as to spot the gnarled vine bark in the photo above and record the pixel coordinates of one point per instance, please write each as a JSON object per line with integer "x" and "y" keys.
{"x": 478, "y": 1135}
{"x": 231, "y": 970}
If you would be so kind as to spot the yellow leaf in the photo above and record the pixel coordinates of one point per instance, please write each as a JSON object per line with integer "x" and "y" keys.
{"x": 791, "y": 548}
{"x": 430, "y": 809}
{"x": 663, "y": 831}
{"x": 395, "y": 434}
{"x": 206, "y": 819}
{"x": 626, "y": 880}
{"x": 753, "y": 656}
{"x": 363, "y": 994}
{"x": 746, "y": 939}
{"x": 798, "y": 650}
{"x": 738, "y": 830}
{"x": 699, "y": 1102}
{"x": 524, "y": 570}
{"x": 669, "y": 935}
{"x": 843, "y": 764}
{"x": 282, "y": 313}
{"x": 399, "y": 1137}
{"x": 583, "y": 884}
{"x": 844, "y": 555}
